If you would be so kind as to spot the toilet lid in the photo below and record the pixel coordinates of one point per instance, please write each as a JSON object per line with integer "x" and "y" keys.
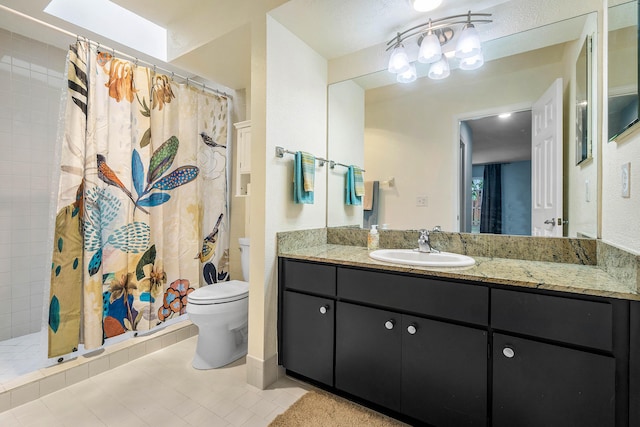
{"x": 219, "y": 293}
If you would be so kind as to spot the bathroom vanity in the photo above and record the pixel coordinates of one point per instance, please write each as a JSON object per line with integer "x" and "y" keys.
{"x": 459, "y": 347}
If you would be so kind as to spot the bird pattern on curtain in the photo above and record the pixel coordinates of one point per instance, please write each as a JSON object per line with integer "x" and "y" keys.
{"x": 142, "y": 215}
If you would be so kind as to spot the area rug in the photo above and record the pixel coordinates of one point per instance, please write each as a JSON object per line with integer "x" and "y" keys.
{"x": 318, "y": 409}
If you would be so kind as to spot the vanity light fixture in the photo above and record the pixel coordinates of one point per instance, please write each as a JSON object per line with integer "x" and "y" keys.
{"x": 432, "y": 35}
{"x": 408, "y": 76}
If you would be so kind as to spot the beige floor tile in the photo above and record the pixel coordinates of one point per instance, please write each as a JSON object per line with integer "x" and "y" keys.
{"x": 256, "y": 421}
{"x": 128, "y": 396}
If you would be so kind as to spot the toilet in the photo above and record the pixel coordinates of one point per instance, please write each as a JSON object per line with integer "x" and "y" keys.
{"x": 220, "y": 311}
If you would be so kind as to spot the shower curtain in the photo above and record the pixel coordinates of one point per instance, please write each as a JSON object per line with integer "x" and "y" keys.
{"x": 142, "y": 215}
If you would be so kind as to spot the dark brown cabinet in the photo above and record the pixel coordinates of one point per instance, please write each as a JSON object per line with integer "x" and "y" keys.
{"x": 368, "y": 354}
{"x": 308, "y": 332}
{"x": 539, "y": 384}
{"x": 444, "y": 372}
{"x": 455, "y": 353}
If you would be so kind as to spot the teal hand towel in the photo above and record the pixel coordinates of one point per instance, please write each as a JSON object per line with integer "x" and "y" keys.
{"x": 299, "y": 194}
{"x": 350, "y": 188}
{"x": 308, "y": 170}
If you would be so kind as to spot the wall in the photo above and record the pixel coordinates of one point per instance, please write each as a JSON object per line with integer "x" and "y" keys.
{"x": 423, "y": 156}
{"x": 31, "y": 81}
{"x": 288, "y": 86}
{"x": 345, "y": 140}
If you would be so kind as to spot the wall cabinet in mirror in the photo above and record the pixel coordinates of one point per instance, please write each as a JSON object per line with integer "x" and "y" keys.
{"x": 623, "y": 69}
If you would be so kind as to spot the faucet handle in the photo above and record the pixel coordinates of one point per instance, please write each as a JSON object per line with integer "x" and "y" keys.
{"x": 424, "y": 233}
{"x": 437, "y": 228}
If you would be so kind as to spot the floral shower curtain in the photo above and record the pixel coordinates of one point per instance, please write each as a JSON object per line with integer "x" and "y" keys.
{"x": 142, "y": 215}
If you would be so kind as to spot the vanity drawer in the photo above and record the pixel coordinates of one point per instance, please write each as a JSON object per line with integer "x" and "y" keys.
{"x": 309, "y": 277}
{"x": 573, "y": 321}
{"x": 425, "y": 296}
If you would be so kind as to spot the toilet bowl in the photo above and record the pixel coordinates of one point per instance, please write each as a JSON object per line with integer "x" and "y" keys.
{"x": 220, "y": 311}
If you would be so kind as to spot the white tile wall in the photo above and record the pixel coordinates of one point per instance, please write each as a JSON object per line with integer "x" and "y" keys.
{"x": 31, "y": 81}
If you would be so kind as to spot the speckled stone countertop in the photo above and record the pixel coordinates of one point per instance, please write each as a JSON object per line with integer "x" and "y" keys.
{"x": 554, "y": 276}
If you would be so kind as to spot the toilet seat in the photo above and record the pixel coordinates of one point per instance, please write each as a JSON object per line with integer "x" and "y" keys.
{"x": 219, "y": 293}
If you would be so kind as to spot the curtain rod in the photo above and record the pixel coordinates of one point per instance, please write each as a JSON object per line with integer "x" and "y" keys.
{"x": 113, "y": 51}
{"x": 280, "y": 152}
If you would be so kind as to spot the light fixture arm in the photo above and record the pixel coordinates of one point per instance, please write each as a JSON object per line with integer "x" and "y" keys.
{"x": 435, "y": 24}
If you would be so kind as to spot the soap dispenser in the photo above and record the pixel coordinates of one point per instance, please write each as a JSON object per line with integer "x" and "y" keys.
{"x": 373, "y": 239}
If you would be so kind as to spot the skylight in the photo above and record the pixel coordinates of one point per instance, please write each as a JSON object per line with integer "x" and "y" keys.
{"x": 113, "y": 22}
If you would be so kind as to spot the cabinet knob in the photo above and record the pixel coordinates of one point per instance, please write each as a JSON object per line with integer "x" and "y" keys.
{"x": 324, "y": 309}
{"x": 508, "y": 352}
{"x": 389, "y": 324}
{"x": 412, "y": 329}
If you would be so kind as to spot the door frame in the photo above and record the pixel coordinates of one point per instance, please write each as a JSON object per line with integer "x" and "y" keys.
{"x": 458, "y": 215}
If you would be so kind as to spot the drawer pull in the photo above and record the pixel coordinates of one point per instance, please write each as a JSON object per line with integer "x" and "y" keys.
{"x": 389, "y": 324}
{"x": 508, "y": 352}
{"x": 412, "y": 329}
{"x": 324, "y": 309}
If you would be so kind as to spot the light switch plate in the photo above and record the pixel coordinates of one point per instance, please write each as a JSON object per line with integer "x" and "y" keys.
{"x": 625, "y": 175}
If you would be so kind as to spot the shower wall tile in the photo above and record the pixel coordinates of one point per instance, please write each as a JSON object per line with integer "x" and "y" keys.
{"x": 31, "y": 82}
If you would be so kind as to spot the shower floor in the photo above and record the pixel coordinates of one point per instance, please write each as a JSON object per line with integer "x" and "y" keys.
{"x": 19, "y": 356}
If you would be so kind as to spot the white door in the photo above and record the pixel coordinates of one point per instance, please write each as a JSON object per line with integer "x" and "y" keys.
{"x": 546, "y": 163}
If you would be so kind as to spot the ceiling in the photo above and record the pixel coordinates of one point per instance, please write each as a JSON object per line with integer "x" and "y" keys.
{"x": 212, "y": 39}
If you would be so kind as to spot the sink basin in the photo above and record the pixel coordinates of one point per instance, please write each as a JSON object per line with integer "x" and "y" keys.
{"x": 413, "y": 257}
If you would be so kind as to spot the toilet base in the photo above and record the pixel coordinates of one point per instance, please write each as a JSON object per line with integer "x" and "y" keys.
{"x": 215, "y": 350}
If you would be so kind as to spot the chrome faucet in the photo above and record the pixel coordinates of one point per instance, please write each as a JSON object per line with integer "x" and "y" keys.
{"x": 424, "y": 241}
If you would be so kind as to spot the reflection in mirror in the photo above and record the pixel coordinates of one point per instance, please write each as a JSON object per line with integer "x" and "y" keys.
{"x": 623, "y": 68}
{"x": 412, "y": 131}
{"x": 583, "y": 134}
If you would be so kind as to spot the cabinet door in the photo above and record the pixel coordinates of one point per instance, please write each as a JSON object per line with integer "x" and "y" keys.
{"x": 368, "y": 354}
{"x": 537, "y": 384}
{"x": 308, "y": 331}
{"x": 444, "y": 373}
{"x": 244, "y": 150}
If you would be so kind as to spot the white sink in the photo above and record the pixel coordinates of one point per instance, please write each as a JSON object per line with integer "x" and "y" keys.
{"x": 431, "y": 259}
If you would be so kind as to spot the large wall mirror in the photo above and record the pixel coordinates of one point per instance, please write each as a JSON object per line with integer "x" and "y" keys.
{"x": 429, "y": 143}
{"x": 622, "y": 68}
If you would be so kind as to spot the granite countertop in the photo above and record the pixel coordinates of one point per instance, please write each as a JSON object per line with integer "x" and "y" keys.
{"x": 574, "y": 278}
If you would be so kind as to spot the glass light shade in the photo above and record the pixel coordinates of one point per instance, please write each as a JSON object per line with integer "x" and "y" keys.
{"x": 439, "y": 70}
{"x": 468, "y": 43}
{"x": 399, "y": 61}
{"x": 408, "y": 76}
{"x": 426, "y": 5}
{"x": 430, "y": 49}
{"x": 472, "y": 62}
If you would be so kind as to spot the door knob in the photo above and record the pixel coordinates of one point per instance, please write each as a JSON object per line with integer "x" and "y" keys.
{"x": 324, "y": 309}
{"x": 389, "y": 324}
{"x": 508, "y": 352}
{"x": 412, "y": 329}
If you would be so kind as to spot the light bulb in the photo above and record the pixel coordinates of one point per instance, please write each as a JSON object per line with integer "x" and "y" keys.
{"x": 426, "y": 5}
{"x": 430, "y": 49}
{"x": 472, "y": 62}
{"x": 399, "y": 61}
{"x": 408, "y": 76}
{"x": 439, "y": 70}
{"x": 468, "y": 43}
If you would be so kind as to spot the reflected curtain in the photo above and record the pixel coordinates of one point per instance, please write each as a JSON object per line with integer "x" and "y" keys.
{"x": 142, "y": 215}
{"x": 491, "y": 213}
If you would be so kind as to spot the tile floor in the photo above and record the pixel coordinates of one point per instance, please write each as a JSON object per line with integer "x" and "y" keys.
{"x": 161, "y": 389}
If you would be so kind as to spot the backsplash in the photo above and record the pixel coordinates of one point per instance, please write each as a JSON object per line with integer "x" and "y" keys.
{"x": 620, "y": 264}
